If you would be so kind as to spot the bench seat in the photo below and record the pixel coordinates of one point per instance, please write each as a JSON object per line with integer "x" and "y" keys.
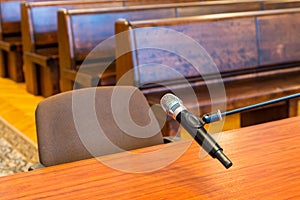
{"x": 261, "y": 87}
{"x": 87, "y": 77}
{"x": 43, "y": 57}
{"x": 11, "y": 44}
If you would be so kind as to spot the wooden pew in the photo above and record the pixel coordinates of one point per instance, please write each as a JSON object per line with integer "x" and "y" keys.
{"x": 70, "y": 64}
{"x": 39, "y": 40}
{"x": 76, "y": 43}
{"x": 11, "y": 64}
{"x": 11, "y": 45}
{"x": 10, "y": 41}
{"x": 40, "y": 45}
{"x": 257, "y": 61}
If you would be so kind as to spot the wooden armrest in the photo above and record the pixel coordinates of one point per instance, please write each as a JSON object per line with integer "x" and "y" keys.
{"x": 42, "y": 60}
{"x": 9, "y": 46}
{"x": 89, "y": 76}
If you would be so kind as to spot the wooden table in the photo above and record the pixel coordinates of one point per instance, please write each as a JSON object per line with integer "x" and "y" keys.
{"x": 266, "y": 165}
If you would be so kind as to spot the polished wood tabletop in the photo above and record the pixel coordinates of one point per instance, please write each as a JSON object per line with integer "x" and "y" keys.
{"x": 266, "y": 165}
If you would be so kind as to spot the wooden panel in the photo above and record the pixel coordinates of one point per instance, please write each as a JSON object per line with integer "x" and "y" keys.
{"x": 294, "y": 107}
{"x": 15, "y": 68}
{"x": 10, "y": 11}
{"x": 262, "y": 115}
{"x": 278, "y": 4}
{"x": 237, "y": 52}
{"x": 100, "y": 26}
{"x": 222, "y": 7}
{"x": 10, "y": 17}
{"x": 48, "y": 80}
{"x": 279, "y": 38}
{"x": 114, "y": 14}
{"x": 84, "y": 44}
{"x": 46, "y": 33}
{"x": 147, "y": 2}
{"x": 39, "y": 30}
{"x": 13, "y": 28}
{"x": 40, "y": 15}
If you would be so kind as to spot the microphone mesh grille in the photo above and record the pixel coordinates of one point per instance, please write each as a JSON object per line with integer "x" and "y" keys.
{"x": 168, "y": 101}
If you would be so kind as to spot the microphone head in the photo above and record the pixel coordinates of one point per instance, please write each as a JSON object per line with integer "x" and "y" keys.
{"x": 172, "y": 105}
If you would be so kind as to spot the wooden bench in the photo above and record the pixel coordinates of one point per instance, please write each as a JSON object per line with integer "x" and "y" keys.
{"x": 11, "y": 64}
{"x": 10, "y": 41}
{"x": 40, "y": 45}
{"x": 257, "y": 54}
{"x": 78, "y": 39}
{"x": 74, "y": 55}
{"x": 10, "y": 32}
{"x": 39, "y": 39}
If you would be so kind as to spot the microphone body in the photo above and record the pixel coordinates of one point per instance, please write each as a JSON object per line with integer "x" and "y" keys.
{"x": 194, "y": 126}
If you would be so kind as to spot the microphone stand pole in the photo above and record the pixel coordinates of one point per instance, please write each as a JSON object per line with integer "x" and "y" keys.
{"x": 217, "y": 116}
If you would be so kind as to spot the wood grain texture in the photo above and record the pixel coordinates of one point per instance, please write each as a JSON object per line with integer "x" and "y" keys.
{"x": 78, "y": 42}
{"x": 279, "y": 40}
{"x": 146, "y": 2}
{"x": 237, "y": 52}
{"x": 265, "y": 166}
{"x": 10, "y": 37}
{"x": 278, "y": 4}
{"x": 91, "y": 29}
{"x": 37, "y": 35}
{"x": 214, "y": 7}
{"x": 10, "y": 17}
{"x": 46, "y": 33}
{"x": 17, "y": 106}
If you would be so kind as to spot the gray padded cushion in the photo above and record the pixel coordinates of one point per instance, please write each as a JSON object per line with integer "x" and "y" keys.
{"x": 60, "y": 142}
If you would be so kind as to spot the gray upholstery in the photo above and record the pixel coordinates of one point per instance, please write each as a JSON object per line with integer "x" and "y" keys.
{"x": 79, "y": 124}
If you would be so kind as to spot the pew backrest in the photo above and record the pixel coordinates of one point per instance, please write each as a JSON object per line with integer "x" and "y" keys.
{"x": 278, "y": 4}
{"x": 39, "y": 21}
{"x": 10, "y": 18}
{"x": 147, "y": 2}
{"x": 77, "y": 39}
{"x": 10, "y": 14}
{"x": 242, "y": 46}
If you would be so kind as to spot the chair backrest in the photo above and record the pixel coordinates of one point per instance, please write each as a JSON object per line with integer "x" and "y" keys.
{"x": 92, "y": 122}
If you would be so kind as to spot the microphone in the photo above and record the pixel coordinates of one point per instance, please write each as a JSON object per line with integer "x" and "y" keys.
{"x": 174, "y": 107}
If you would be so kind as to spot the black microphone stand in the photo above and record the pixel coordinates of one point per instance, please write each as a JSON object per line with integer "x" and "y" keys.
{"x": 217, "y": 116}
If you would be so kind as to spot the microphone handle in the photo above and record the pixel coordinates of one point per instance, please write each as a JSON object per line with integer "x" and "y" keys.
{"x": 194, "y": 127}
